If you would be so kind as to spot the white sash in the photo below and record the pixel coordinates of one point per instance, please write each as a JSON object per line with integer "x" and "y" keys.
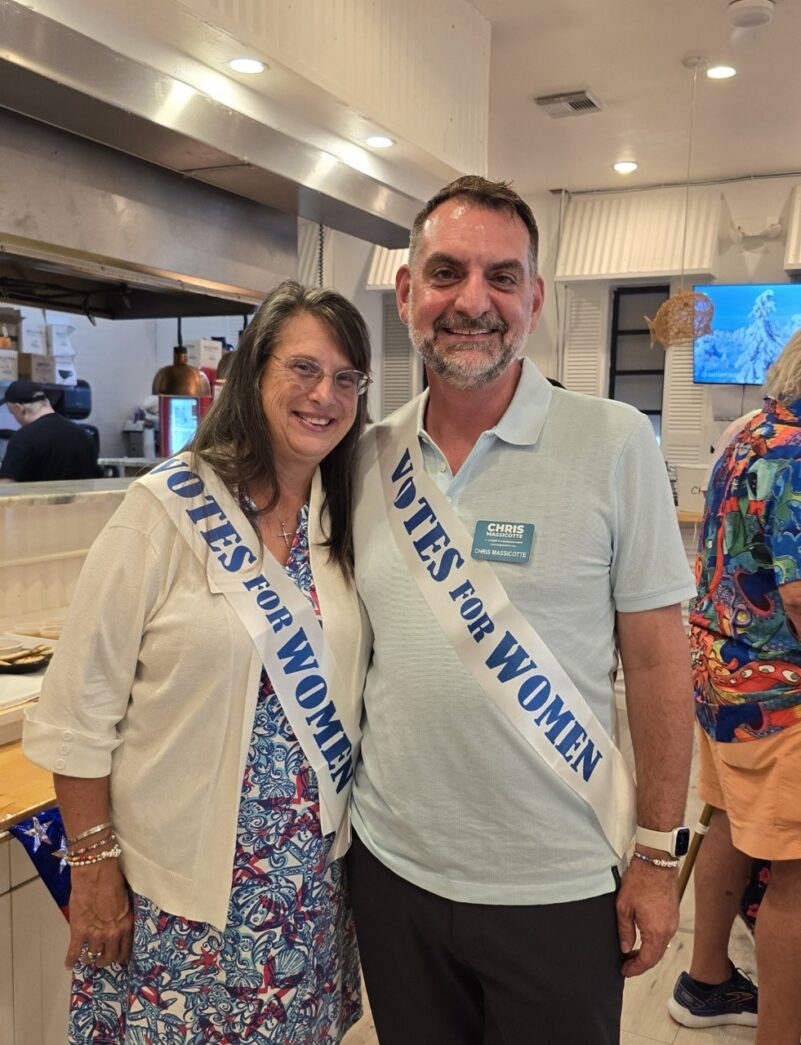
{"x": 496, "y": 643}
{"x": 280, "y": 621}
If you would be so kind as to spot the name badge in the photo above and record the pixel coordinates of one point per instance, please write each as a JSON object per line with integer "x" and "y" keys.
{"x": 503, "y": 541}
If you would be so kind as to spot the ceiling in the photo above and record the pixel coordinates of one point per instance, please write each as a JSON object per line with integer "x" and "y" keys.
{"x": 147, "y": 80}
{"x": 629, "y": 53}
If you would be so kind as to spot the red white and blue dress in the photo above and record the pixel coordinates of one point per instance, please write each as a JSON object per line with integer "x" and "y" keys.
{"x": 285, "y": 971}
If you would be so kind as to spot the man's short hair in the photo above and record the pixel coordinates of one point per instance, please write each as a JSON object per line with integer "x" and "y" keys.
{"x": 783, "y": 381}
{"x": 492, "y": 195}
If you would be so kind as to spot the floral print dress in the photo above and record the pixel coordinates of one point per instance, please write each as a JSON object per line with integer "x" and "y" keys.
{"x": 285, "y": 970}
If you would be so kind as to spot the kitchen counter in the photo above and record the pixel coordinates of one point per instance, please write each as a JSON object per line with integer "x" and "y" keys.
{"x": 25, "y": 789}
{"x": 23, "y": 495}
{"x": 129, "y": 466}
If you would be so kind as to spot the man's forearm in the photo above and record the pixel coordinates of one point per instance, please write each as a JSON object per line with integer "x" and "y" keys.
{"x": 656, "y": 665}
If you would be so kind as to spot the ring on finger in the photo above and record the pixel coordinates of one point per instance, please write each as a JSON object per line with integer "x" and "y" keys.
{"x": 93, "y": 956}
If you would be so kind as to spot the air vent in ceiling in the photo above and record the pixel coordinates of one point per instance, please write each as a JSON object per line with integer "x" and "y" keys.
{"x": 572, "y": 103}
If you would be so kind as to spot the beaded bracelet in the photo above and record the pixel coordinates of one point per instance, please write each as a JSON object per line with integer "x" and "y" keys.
{"x": 110, "y": 838}
{"x": 65, "y": 851}
{"x": 90, "y": 831}
{"x": 669, "y": 865}
{"x": 85, "y": 861}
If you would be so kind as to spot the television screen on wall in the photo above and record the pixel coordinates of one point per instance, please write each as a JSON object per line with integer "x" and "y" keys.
{"x": 751, "y": 325}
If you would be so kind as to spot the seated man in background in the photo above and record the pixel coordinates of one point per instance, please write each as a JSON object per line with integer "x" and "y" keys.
{"x": 745, "y": 626}
{"x": 47, "y": 445}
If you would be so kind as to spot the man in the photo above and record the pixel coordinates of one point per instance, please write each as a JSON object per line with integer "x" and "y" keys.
{"x": 47, "y": 446}
{"x": 509, "y": 533}
{"x": 745, "y": 626}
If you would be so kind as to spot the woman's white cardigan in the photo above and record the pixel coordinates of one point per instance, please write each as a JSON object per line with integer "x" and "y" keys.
{"x": 155, "y": 681}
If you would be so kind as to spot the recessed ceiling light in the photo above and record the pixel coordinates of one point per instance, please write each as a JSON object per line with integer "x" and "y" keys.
{"x": 379, "y": 141}
{"x": 247, "y": 65}
{"x": 721, "y": 72}
{"x": 625, "y": 166}
{"x": 745, "y": 14}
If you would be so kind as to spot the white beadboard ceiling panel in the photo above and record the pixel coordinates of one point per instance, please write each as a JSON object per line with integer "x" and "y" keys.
{"x": 383, "y": 265}
{"x": 792, "y": 254}
{"x": 639, "y": 235}
{"x": 401, "y": 64}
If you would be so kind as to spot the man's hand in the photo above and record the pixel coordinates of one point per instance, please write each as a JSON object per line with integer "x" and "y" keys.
{"x": 648, "y": 901}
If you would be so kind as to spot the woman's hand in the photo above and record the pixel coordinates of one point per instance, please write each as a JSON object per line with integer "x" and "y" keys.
{"x": 101, "y": 921}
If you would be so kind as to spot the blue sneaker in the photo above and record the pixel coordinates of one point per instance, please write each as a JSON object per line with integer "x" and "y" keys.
{"x": 733, "y": 1001}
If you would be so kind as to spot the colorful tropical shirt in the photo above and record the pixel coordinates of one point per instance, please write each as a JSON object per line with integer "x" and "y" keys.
{"x": 746, "y": 653}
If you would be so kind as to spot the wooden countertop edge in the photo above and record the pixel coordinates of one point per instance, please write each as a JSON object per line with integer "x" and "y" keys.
{"x": 32, "y": 796}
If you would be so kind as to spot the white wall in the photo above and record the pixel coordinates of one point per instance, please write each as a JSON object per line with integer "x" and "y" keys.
{"x": 117, "y": 358}
{"x": 755, "y": 260}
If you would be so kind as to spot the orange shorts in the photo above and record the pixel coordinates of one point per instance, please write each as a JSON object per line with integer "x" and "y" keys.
{"x": 758, "y": 783}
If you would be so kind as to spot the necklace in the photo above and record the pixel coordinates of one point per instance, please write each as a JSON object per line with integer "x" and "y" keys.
{"x": 286, "y": 534}
{"x": 250, "y": 506}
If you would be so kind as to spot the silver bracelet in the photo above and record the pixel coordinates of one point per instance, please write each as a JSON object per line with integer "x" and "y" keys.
{"x": 89, "y": 831}
{"x": 669, "y": 865}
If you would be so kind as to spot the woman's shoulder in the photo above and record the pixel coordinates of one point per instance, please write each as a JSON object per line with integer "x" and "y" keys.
{"x": 140, "y": 510}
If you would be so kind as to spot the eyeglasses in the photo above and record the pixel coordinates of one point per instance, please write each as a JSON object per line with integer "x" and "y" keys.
{"x": 308, "y": 374}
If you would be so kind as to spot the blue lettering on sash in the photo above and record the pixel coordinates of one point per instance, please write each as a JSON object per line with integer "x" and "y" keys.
{"x": 534, "y": 694}
{"x": 310, "y": 692}
{"x": 166, "y": 466}
{"x": 337, "y": 754}
{"x": 511, "y": 660}
{"x": 515, "y": 661}
{"x": 185, "y": 483}
{"x": 297, "y": 655}
{"x": 433, "y": 540}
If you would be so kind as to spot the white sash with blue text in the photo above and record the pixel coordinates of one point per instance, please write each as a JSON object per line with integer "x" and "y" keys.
{"x": 496, "y": 643}
{"x": 280, "y": 621}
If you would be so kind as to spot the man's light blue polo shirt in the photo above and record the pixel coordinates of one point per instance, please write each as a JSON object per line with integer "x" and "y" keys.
{"x": 447, "y": 794}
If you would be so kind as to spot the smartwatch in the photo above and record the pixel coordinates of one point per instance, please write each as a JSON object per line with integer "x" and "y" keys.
{"x": 675, "y": 842}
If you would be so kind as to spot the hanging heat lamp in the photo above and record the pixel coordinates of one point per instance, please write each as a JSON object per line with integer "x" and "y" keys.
{"x": 180, "y": 378}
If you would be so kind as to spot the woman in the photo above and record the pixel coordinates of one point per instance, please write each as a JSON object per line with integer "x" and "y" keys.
{"x": 197, "y": 717}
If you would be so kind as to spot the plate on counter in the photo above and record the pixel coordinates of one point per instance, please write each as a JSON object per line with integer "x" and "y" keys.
{"x": 25, "y": 666}
{"x": 22, "y": 663}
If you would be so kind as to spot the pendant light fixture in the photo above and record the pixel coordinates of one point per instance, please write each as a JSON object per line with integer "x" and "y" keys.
{"x": 686, "y": 314}
{"x": 179, "y": 378}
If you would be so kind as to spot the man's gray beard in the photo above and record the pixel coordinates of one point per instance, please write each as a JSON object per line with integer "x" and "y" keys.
{"x": 456, "y": 370}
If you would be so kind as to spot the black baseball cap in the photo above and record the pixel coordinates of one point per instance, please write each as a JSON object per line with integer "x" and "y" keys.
{"x": 23, "y": 391}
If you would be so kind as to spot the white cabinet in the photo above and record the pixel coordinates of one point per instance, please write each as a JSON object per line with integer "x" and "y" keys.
{"x": 39, "y": 936}
{"x": 6, "y": 968}
{"x": 34, "y": 985}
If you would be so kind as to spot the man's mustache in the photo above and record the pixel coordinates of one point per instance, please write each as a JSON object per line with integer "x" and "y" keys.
{"x": 489, "y": 323}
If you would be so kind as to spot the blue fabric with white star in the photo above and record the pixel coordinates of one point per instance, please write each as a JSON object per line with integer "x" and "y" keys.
{"x": 45, "y": 843}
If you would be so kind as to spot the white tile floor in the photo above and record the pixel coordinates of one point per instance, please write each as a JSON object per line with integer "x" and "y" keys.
{"x": 645, "y": 1018}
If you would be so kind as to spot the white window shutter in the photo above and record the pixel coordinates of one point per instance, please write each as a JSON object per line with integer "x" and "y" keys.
{"x": 585, "y": 361}
{"x": 401, "y": 374}
{"x": 682, "y": 407}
